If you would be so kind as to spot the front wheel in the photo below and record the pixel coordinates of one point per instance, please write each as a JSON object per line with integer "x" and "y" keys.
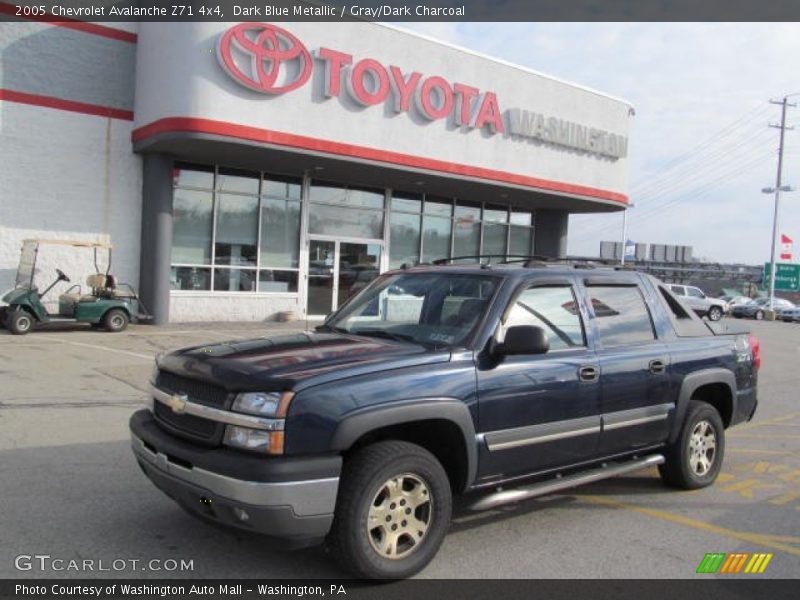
{"x": 392, "y": 511}
{"x": 19, "y": 322}
{"x": 695, "y": 459}
{"x": 715, "y": 313}
{"x": 115, "y": 320}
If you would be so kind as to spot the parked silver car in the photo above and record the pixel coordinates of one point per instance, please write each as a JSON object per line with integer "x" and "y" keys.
{"x": 696, "y": 299}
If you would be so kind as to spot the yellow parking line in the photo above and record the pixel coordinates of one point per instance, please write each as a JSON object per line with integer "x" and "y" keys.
{"x": 753, "y": 538}
{"x": 764, "y": 436}
{"x": 773, "y": 421}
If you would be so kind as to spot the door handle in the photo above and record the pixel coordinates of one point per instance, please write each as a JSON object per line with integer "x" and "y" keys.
{"x": 589, "y": 373}
{"x": 657, "y": 366}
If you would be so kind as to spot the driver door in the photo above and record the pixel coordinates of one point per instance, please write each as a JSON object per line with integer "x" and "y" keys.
{"x": 543, "y": 411}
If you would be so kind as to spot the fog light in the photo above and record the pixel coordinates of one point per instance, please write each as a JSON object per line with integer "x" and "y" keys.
{"x": 254, "y": 439}
{"x": 241, "y": 514}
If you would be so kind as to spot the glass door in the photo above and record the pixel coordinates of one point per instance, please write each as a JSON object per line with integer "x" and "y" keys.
{"x": 337, "y": 270}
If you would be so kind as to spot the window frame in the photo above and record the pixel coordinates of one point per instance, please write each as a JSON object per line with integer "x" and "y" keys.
{"x": 258, "y": 267}
{"x": 549, "y": 282}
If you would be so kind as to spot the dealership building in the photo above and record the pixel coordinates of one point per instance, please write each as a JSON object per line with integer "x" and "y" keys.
{"x": 243, "y": 170}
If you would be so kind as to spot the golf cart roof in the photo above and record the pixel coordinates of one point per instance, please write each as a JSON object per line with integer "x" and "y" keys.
{"x": 75, "y": 243}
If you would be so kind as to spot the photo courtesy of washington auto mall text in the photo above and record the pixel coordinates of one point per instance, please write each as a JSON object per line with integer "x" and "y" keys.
{"x": 459, "y": 300}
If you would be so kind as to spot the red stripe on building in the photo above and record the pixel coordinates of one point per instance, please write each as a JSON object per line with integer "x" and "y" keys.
{"x": 69, "y": 105}
{"x": 90, "y": 28}
{"x": 266, "y": 136}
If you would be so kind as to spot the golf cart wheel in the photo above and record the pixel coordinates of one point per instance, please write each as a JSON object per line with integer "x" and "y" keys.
{"x": 19, "y": 322}
{"x": 392, "y": 511}
{"x": 115, "y": 320}
{"x": 715, "y": 313}
{"x": 759, "y": 315}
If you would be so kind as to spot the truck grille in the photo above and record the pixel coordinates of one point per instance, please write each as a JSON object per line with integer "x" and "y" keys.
{"x": 190, "y": 426}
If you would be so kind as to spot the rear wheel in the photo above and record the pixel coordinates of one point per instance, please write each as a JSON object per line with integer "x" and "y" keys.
{"x": 392, "y": 512}
{"x": 715, "y": 313}
{"x": 19, "y": 321}
{"x": 695, "y": 459}
{"x": 115, "y": 320}
{"x": 759, "y": 315}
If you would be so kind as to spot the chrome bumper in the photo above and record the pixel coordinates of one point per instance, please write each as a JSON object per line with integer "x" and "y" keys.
{"x": 316, "y": 497}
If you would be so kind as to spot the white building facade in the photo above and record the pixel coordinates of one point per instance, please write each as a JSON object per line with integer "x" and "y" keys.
{"x": 247, "y": 169}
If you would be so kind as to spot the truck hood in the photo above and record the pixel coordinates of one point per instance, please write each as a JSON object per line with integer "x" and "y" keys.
{"x": 294, "y": 361}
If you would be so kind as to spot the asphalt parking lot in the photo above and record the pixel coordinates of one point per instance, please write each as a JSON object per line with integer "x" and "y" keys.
{"x": 71, "y": 489}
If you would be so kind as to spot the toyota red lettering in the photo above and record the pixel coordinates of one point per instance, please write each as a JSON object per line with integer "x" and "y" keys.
{"x": 270, "y": 60}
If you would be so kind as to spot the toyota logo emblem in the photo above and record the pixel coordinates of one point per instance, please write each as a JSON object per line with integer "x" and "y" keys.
{"x": 264, "y": 58}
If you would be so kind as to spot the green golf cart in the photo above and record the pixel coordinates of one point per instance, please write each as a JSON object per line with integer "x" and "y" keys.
{"x": 105, "y": 303}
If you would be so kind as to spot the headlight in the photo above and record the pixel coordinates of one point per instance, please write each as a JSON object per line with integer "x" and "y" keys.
{"x": 263, "y": 404}
{"x": 269, "y": 442}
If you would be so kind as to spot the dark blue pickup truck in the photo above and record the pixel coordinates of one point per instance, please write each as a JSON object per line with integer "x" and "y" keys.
{"x": 501, "y": 381}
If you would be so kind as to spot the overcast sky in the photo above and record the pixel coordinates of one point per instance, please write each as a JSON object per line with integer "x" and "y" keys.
{"x": 700, "y": 149}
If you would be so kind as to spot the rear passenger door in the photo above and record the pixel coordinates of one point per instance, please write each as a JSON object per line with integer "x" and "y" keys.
{"x": 540, "y": 411}
{"x": 634, "y": 366}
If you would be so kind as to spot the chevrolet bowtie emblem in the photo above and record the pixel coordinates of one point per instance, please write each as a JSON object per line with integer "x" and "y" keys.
{"x": 177, "y": 402}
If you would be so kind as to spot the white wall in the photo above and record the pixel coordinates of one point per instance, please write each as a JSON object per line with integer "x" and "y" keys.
{"x": 68, "y": 175}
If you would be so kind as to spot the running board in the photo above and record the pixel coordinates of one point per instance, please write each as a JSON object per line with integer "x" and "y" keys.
{"x": 561, "y": 483}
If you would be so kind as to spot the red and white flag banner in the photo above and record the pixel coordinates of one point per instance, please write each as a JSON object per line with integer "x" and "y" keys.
{"x": 786, "y": 247}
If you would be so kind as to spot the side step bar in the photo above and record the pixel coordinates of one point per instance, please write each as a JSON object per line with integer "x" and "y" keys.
{"x": 561, "y": 483}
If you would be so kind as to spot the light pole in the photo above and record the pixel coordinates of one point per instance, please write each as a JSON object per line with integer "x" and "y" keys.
{"x": 624, "y": 232}
{"x": 777, "y": 191}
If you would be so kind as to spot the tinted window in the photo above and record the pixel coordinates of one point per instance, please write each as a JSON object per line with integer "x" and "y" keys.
{"x": 553, "y": 309}
{"x": 621, "y": 315}
{"x": 677, "y": 289}
{"x": 695, "y": 293}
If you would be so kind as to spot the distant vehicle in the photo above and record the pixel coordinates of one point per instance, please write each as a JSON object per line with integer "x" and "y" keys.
{"x": 790, "y": 315}
{"x": 696, "y": 299}
{"x": 756, "y": 308}
{"x": 732, "y": 301}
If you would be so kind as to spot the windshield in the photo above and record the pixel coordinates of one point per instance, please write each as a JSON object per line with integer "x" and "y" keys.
{"x": 27, "y": 260}
{"x": 434, "y": 309}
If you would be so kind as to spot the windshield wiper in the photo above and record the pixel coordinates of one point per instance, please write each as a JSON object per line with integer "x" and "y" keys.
{"x": 403, "y": 337}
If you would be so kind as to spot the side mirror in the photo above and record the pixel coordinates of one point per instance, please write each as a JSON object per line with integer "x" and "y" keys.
{"x": 524, "y": 339}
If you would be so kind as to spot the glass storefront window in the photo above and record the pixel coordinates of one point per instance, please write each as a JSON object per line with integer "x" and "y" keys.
{"x": 467, "y": 227}
{"x": 331, "y": 193}
{"x": 280, "y": 233}
{"x": 190, "y": 278}
{"x": 345, "y": 221}
{"x": 282, "y": 187}
{"x": 234, "y": 280}
{"x": 495, "y": 214}
{"x": 235, "y": 180}
{"x": 521, "y": 218}
{"x": 191, "y": 226}
{"x": 237, "y": 230}
{"x": 404, "y": 235}
{"x": 438, "y": 206}
{"x": 521, "y": 239}
{"x": 198, "y": 176}
{"x": 435, "y": 237}
{"x": 411, "y": 203}
{"x": 277, "y": 281}
{"x": 494, "y": 238}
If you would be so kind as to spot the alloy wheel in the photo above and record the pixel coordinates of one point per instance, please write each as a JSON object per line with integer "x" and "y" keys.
{"x": 702, "y": 448}
{"x": 399, "y": 516}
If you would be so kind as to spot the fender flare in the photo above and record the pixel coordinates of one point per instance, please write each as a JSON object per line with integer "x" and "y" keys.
{"x": 691, "y": 383}
{"x": 358, "y": 423}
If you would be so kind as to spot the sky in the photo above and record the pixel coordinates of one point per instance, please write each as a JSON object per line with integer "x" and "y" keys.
{"x": 700, "y": 150}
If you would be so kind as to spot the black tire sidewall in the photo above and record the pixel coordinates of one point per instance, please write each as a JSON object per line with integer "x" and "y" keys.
{"x": 369, "y": 563}
{"x": 758, "y": 316}
{"x": 14, "y": 316}
{"x": 715, "y": 313}
{"x": 701, "y": 411}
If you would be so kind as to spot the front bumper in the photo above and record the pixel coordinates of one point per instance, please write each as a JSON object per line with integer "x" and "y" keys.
{"x": 285, "y": 497}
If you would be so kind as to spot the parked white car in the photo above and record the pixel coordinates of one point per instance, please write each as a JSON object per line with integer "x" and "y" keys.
{"x": 696, "y": 299}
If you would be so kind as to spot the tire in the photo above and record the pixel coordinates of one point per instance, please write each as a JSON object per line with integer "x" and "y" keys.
{"x": 377, "y": 481}
{"x": 684, "y": 468}
{"x": 115, "y": 320}
{"x": 715, "y": 313}
{"x": 19, "y": 321}
{"x": 759, "y": 315}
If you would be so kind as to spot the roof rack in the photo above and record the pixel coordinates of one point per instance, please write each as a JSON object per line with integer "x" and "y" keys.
{"x": 534, "y": 260}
